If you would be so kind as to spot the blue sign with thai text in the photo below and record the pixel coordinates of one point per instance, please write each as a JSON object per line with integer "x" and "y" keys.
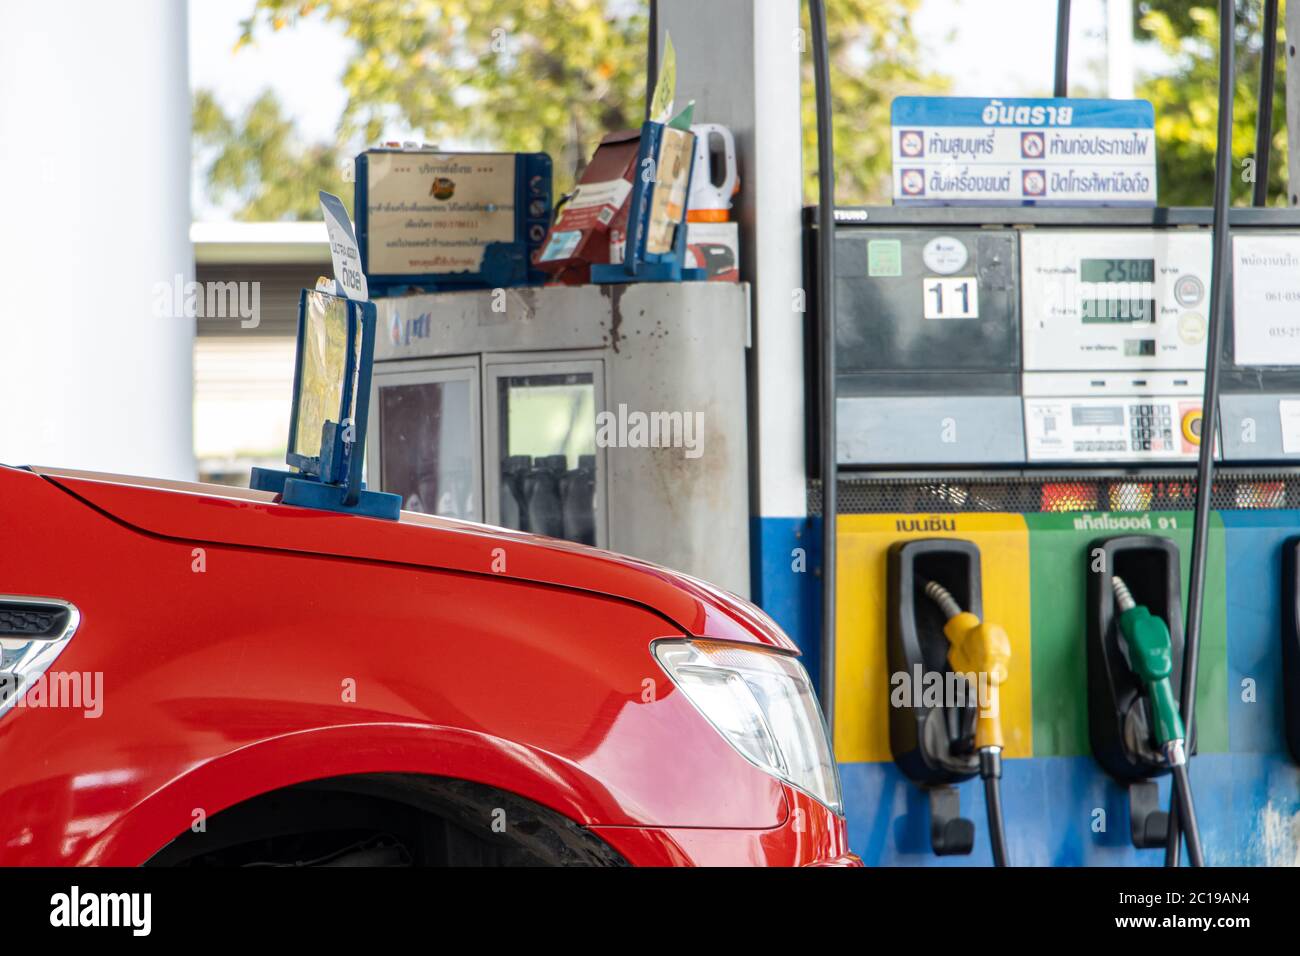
{"x": 1023, "y": 151}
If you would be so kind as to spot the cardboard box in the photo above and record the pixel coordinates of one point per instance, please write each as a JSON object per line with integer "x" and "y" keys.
{"x": 596, "y": 217}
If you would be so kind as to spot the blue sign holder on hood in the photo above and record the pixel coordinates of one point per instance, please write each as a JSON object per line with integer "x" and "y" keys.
{"x": 331, "y": 479}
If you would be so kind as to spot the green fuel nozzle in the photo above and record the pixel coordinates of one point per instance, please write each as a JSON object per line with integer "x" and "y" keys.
{"x": 1151, "y": 656}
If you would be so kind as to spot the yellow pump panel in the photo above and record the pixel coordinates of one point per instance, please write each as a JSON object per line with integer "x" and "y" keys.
{"x": 862, "y": 679}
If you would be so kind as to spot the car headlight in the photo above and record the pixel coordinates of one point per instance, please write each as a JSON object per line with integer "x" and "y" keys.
{"x": 763, "y": 704}
{"x": 33, "y": 632}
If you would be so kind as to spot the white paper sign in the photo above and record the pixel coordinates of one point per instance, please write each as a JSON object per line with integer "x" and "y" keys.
{"x": 610, "y": 193}
{"x": 1288, "y": 410}
{"x": 348, "y": 274}
{"x": 1266, "y": 300}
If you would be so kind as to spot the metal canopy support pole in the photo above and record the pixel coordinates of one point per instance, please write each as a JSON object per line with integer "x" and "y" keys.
{"x": 1293, "y": 98}
{"x": 1220, "y": 298}
{"x": 1264, "y": 116}
{"x": 826, "y": 333}
{"x": 1061, "y": 86}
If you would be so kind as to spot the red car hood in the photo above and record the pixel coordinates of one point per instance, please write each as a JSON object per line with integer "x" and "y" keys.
{"x": 217, "y": 514}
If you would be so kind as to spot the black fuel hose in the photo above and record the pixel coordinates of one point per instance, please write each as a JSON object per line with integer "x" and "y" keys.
{"x": 826, "y": 328}
{"x": 1264, "y": 117}
{"x": 1061, "y": 79}
{"x": 1180, "y": 806}
{"x": 991, "y": 773}
{"x": 990, "y": 757}
{"x": 1187, "y": 814}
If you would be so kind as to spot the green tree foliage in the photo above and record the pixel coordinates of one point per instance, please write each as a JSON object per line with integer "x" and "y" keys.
{"x": 1186, "y": 99}
{"x": 874, "y": 57}
{"x": 260, "y": 162}
{"x": 526, "y": 75}
{"x": 550, "y": 75}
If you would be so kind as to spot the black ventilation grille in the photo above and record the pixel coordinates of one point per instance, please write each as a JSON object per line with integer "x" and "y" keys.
{"x": 1032, "y": 494}
{"x": 32, "y": 621}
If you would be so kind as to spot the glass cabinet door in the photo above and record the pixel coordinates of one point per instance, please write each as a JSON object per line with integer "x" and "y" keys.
{"x": 544, "y": 472}
{"x": 425, "y": 438}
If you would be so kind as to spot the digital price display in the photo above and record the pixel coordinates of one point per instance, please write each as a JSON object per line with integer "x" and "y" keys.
{"x": 1117, "y": 270}
{"x": 1125, "y": 305}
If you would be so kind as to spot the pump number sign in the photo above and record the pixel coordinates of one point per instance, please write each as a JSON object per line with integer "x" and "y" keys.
{"x": 952, "y": 298}
{"x": 974, "y": 151}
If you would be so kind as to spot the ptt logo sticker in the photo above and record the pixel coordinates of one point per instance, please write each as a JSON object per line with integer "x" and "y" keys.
{"x": 911, "y": 143}
{"x": 418, "y": 328}
{"x": 1034, "y": 182}
{"x": 913, "y": 181}
{"x": 1189, "y": 290}
{"x": 945, "y": 255}
{"x": 1032, "y": 145}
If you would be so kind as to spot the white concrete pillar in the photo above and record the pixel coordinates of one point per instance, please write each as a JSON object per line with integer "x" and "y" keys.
{"x": 95, "y": 162}
{"x": 1119, "y": 49}
{"x": 739, "y": 60}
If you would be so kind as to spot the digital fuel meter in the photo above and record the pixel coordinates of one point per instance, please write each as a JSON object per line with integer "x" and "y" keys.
{"x": 1114, "y": 300}
{"x": 1114, "y": 343}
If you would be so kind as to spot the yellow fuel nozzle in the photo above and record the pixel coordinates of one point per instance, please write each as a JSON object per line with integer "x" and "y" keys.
{"x": 982, "y": 650}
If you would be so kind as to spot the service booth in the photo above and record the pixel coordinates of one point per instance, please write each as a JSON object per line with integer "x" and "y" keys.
{"x": 606, "y": 415}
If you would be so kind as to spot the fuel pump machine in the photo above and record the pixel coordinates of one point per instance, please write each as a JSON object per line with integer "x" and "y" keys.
{"x": 1024, "y": 386}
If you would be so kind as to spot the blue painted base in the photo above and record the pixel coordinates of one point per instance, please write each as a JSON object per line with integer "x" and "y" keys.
{"x": 785, "y": 569}
{"x": 1062, "y": 811}
{"x": 1248, "y": 800}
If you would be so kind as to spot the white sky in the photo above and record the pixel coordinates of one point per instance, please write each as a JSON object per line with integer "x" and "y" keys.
{"x": 987, "y": 47}
{"x": 302, "y": 64}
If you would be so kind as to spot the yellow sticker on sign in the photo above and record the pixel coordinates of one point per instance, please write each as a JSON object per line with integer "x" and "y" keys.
{"x": 661, "y": 106}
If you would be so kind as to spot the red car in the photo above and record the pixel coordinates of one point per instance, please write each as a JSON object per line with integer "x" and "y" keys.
{"x": 199, "y": 675}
